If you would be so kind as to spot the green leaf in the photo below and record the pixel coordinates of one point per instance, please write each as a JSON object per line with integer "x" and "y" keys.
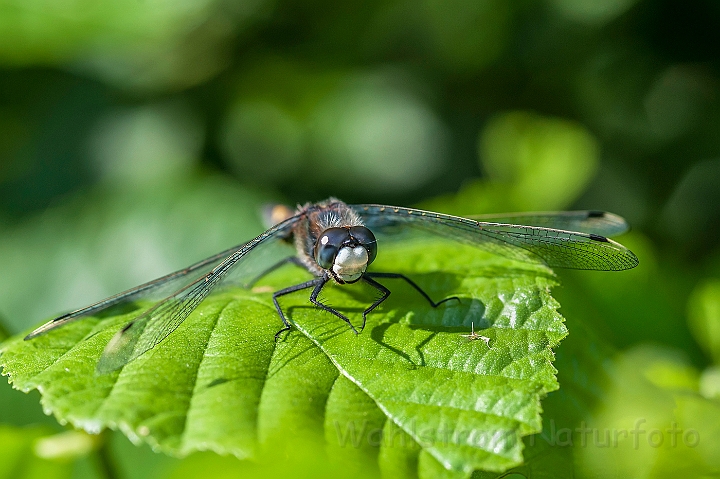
{"x": 651, "y": 422}
{"x": 409, "y": 394}
{"x": 546, "y": 162}
{"x": 542, "y": 460}
{"x": 637, "y": 413}
{"x": 23, "y": 455}
{"x": 704, "y": 317}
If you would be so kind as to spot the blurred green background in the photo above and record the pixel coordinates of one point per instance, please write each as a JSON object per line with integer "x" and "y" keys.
{"x": 137, "y": 137}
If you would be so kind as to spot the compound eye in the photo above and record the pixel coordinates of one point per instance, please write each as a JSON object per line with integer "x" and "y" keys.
{"x": 367, "y": 239}
{"x": 327, "y": 246}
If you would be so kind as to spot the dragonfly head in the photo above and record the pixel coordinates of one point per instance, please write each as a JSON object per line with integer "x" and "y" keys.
{"x": 346, "y": 252}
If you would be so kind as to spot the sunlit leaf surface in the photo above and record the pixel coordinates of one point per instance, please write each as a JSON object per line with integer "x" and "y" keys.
{"x": 408, "y": 395}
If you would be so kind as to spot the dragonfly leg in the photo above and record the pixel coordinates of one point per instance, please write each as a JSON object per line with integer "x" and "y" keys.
{"x": 316, "y": 302}
{"x": 383, "y": 290}
{"x": 292, "y": 259}
{"x": 314, "y": 283}
{"x": 411, "y": 283}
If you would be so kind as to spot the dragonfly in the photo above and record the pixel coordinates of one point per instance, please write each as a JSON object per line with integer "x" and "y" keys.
{"x": 336, "y": 243}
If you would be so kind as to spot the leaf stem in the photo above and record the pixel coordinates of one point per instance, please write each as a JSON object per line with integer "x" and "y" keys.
{"x": 107, "y": 465}
{"x": 4, "y": 333}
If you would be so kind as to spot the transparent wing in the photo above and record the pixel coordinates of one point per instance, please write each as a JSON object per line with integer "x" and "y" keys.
{"x": 155, "y": 289}
{"x": 553, "y": 247}
{"x": 585, "y": 221}
{"x": 242, "y": 267}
